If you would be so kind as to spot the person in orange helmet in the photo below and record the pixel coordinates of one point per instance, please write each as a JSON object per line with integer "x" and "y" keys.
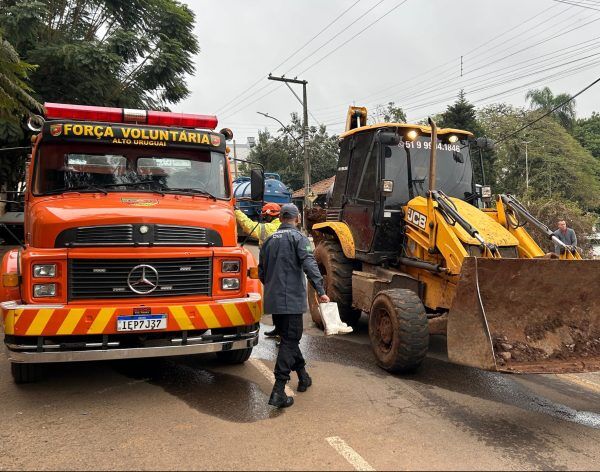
{"x": 262, "y": 230}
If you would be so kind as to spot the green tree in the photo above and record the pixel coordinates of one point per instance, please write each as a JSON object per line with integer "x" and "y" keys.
{"x": 16, "y": 105}
{"x": 559, "y": 168}
{"x": 543, "y": 99}
{"x": 15, "y": 99}
{"x": 104, "y": 52}
{"x": 461, "y": 115}
{"x": 587, "y": 132}
{"x": 284, "y": 155}
{"x": 393, "y": 114}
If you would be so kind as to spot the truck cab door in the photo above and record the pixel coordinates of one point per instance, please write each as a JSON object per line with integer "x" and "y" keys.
{"x": 362, "y": 196}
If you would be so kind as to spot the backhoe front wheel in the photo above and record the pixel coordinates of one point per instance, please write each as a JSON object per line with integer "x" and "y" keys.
{"x": 336, "y": 269}
{"x": 398, "y": 330}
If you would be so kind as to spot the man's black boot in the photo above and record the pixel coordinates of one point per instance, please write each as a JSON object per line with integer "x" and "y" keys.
{"x": 272, "y": 333}
{"x": 304, "y": 380}
{"x": 278, "y": 396}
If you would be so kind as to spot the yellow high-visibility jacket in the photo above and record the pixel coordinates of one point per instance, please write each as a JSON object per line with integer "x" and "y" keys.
{"x": 260, "y": 231}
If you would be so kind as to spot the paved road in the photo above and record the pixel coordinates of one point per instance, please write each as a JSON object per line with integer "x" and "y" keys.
{"x": 193, "y": 413}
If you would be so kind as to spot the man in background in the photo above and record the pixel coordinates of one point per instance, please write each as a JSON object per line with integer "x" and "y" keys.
{"x": 566, "y": 235}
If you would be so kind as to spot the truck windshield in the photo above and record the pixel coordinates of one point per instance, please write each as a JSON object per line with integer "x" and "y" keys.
{"x": 408, "y": 166}
{"x": 63, "y": 168}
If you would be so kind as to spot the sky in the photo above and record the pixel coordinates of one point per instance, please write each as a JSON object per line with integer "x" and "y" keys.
{"x": 371, "y": 52}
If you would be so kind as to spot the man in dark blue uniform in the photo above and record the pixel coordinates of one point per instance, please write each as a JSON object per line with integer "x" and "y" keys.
{"x": 284, "y": 259}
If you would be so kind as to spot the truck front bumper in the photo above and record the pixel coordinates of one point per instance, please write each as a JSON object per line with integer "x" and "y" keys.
{"x": 197, "y": 345}
{"x": 68, "y": 333}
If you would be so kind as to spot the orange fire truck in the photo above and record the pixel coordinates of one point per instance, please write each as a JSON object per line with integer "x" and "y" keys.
{"x": 130, "y": 246}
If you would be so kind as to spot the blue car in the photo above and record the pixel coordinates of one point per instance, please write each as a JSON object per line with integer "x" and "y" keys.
{"x": 275, "y": 191}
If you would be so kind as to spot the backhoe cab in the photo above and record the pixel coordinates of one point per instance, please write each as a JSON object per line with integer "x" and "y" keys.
{"x": 405, "y": 242}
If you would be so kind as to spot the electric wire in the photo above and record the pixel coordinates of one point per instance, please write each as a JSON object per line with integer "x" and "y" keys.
{"x": 293, "y": 54}
{"x": 420, "y": 75}
{"x": 410, "y": 92}
{"x": 549, "y": 112}
{"x": 328, "y": 54}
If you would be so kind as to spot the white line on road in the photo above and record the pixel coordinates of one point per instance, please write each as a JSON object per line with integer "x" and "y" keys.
{"x": 353, "y": 457}
{"x": 263, "y": 369}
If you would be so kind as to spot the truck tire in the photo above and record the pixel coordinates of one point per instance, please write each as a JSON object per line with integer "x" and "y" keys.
{"x": 337, "y": 278}
{"x": 238, "y": 356}
{"x": 25, "y": 373}
{"x": 398, "y": 330}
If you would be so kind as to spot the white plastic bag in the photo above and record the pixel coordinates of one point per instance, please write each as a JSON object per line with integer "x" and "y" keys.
{"x": 331, "y": 319}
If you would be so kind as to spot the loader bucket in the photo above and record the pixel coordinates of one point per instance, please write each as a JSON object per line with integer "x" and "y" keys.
{"x": 526, "y": 315}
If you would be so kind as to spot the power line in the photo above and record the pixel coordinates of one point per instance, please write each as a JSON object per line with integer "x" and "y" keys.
{"x": 578, "y": 4}
{"x": 331, "y": 52}
{"x": 510, "y": 135}
{"x": 356, "y": 35}
{"x": 333, "y": 37}
{"x": 317, "y": 35}
{"x": 438, "y": 67}
{"x": 293, "y": 54}
{"x": 433, "y": 86}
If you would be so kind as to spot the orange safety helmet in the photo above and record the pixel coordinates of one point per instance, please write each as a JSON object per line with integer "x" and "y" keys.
{"x": 271, "y": 209}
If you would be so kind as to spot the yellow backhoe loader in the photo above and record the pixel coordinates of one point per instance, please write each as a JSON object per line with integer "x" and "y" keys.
{"x": 408, "y": 240}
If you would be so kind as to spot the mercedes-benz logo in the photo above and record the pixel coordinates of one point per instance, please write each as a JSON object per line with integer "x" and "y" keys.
{"x": 143, "y": 279}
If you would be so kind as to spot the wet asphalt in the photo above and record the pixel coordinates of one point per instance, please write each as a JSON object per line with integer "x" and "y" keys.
{"x": 195, "y": 413}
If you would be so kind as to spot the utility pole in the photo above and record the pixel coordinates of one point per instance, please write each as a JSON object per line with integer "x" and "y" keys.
{"x": 307, "y": 202}
{"x": 526, "y": 167}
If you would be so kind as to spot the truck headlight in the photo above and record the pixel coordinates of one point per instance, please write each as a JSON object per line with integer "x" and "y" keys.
{"x": 44, "y": 290}
{"x": 230, "y": 283}
{"x": 230, "y": 266}
{"x": 44, "y": 270}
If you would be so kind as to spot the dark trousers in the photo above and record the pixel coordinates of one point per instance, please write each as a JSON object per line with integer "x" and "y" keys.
{"x": 275, "y": 319}
{"x": 289, "y": 357}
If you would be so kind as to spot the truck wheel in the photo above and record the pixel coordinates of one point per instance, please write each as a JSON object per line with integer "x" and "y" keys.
{"x": 25, "y": 373}
{"x": 337, "y": 278}
{"x": 239, "y": 356}
{"x": 398, "y": 330}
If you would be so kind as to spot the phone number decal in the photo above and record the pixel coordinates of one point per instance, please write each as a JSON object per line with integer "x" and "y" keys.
{"x": 427, "y": 145}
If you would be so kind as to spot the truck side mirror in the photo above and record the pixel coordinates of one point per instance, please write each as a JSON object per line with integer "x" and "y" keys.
{"x": 257, "y": 185}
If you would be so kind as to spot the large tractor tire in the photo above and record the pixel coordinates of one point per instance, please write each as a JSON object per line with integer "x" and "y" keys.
{"x": 25, "y": 373}
{"x": 238, "y": 356}
{"x": 337, "y": 278}
{"x": 398, "y": 330}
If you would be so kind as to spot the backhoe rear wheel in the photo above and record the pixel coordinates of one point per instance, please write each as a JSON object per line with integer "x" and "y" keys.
{"x": 398, "y": 330}
{"x": 337, "y": 278}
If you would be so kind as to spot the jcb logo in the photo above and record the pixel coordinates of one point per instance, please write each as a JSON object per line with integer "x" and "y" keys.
{"x": 416, "y": 218}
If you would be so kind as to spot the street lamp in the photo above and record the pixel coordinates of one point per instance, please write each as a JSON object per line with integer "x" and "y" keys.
{"x": 282, "y": 125}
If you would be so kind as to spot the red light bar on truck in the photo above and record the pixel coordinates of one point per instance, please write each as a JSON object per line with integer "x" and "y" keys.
{"x": 56, "y": 111}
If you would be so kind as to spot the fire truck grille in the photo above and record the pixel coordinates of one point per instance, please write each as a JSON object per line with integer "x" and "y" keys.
{"x": 136, "y": 278}
{"x": 138, "y": 234}
{"x": 179, "y": 234}
{"x": 104, "y": 234}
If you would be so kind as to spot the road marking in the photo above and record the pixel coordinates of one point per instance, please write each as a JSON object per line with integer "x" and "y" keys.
{"x": 263, "y": 369}
{"x": 588, "y": 384}
{"x": 353, "y": 457}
